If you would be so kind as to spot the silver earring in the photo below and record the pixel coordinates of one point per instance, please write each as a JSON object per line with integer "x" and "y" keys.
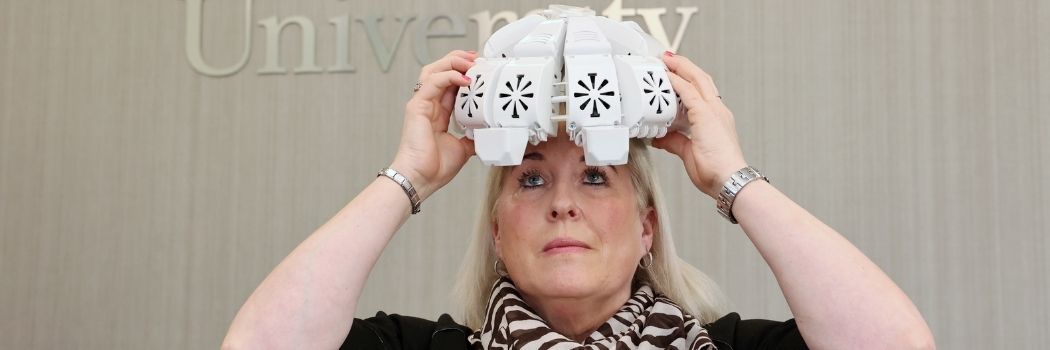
{"x": 645, "y": 265}
{"x": 496, "y": 267}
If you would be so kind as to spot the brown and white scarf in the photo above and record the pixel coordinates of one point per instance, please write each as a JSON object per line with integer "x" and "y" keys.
{"x": 647, "y": 320}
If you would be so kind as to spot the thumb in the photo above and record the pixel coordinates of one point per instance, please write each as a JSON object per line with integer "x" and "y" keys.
{"x": 468, "y": 146}
{"x": 673, "y": 142}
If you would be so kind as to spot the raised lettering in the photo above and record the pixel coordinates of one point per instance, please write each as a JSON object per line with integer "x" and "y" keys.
{"x": 616, "y": 12}
{"x": 342, "y": 45}
{"x": 384, "y": 55}
{"x": 424, "y": 33}
{"x": 194, "y": 34}
{"x": 385, "y": 52}
{"x": 656, "y": 27}
{"x": 487, "y": 22}
{"x": 307, "y": 61}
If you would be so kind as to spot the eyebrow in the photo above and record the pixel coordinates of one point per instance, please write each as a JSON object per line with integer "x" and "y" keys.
{"x": 539, "y": 156}
{"x": 533, "y": 156}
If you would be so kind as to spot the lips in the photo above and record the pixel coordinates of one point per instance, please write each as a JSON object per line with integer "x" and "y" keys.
{"x": 564, "y": 244}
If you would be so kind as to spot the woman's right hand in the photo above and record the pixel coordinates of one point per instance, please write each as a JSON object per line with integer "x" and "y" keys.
{"x": 428, "y": 155}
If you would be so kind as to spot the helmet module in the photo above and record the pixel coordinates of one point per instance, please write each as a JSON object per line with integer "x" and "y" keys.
{"x": 605, "y": 76}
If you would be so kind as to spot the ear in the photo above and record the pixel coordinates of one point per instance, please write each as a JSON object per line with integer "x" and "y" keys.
{"x": 495, "y": 237}
{"x": 649, "y": 224}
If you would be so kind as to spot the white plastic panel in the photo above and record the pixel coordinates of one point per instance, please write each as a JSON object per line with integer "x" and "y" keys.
{"x": 605, "y": 145}
{"x": 523, "y": 95}
{"x": 649, "y": 104}
{"x": 473, "y": 106}
{"x": 593, "y": 93}
{"x": 608, "y": 75}
{"x": 583, "y": 37}
{"x": 503, "y": 40}
{"x": 543, "y": 41}
{"x": 500, "y": 146}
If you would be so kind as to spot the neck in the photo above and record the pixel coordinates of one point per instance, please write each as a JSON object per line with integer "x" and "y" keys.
{"x": 577, "y": 318}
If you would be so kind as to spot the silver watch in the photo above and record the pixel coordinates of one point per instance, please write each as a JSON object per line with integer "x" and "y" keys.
{"x": 736, "y": 182}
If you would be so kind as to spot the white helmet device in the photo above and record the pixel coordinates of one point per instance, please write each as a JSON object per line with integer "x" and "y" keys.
{"x": 607, "y": 76}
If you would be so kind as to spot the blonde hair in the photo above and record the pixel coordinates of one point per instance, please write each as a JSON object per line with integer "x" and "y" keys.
{"x": 687, "y": 286}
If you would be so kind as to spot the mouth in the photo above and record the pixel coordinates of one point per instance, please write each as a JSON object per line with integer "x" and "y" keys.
{"x": 565, "y": 245}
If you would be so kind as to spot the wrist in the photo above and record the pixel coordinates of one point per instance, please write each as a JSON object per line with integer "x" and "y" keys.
{"x": 414, "y": 177}
{"x": 406, "y": 186}
{"x": 725, "y": 173}
{"x": 402, "y": 203}
{"x": 733, "y": 187}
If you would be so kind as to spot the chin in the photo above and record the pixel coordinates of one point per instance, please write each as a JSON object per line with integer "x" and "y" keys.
{"x": 563, "y": 282}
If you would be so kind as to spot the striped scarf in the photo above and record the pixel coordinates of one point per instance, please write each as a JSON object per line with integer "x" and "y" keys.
{"x": 647, "y": 320}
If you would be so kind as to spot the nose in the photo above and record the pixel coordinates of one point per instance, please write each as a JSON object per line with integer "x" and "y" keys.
{"x": 563, "y": 204}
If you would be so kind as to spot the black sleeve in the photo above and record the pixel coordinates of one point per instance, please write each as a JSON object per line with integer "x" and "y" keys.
{"x": 732, "y": 333}
{"x": 396, "y": 332}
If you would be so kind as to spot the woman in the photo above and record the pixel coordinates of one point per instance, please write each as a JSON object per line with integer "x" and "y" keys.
{"x": 571, "y": 254}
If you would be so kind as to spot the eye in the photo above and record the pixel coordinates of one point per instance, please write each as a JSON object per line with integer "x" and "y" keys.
{"x": 530, "y": 179}
{"x": 594, "y": 176}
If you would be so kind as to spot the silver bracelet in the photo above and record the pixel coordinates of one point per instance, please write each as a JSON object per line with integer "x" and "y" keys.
{"x": 401, "y": 180}
{"x": 736, "y": 182}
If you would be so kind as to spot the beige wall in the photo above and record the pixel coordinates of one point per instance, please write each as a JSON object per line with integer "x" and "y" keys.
{"x": 141, "y": 202}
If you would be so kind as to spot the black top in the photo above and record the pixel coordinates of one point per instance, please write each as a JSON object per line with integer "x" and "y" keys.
{"x": 396, "y": 332}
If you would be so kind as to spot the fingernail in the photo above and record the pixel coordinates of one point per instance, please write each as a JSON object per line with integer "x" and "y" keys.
{"x": 669, "y": 53}
{"x": 472, "y": 51}
{"x": 466, "y": 77}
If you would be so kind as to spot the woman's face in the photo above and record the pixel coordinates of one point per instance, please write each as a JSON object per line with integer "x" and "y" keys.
{"x": 568, "y": 230}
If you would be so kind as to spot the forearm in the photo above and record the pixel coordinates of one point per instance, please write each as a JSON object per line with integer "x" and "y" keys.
{"x": 308, "y": 300}
{"x": 840, "y": 298}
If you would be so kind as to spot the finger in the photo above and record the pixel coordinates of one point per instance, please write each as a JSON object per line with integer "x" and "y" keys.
{"x": 463, "y": 53}
{"x": 461, "y": 64}
{"x": 685, "y": 68}
{"x": 687, "y": 93}
{"x": 467, "y": 55}
{"x": 678, "y": 144}
{"x": 445, "y": 115}
{"x": 456, "y": 60}
{"x": 449, "y": 97}
{"x": 468, "y": 146}
{"x": 455, "y": 63}
{"x": 436, "y": 84}
{"x": 673, "y": 142}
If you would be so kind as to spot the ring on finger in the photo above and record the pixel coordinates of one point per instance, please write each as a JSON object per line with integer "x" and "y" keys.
{"x": 418, "y": 86}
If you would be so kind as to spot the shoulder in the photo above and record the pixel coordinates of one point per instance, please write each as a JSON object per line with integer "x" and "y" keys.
{"x": 393, "y": 331}
{"x": 754, "y": 334}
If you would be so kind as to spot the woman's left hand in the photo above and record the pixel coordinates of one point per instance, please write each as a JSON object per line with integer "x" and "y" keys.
{"x": 712, "y": 153}
{"x": 874, "y": 313}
